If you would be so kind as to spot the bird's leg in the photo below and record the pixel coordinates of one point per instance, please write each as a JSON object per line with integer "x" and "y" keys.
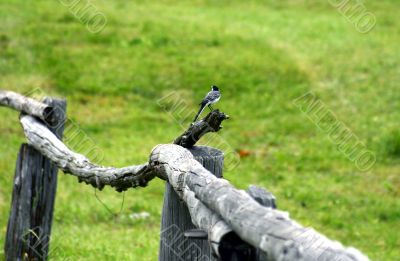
{"x": 210, "y": 107}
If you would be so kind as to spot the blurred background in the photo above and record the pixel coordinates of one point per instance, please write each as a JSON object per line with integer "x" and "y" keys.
{"x": 118, "y": 63}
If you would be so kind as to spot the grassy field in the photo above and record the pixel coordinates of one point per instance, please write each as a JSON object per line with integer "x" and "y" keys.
{"x": 263, "y": 55}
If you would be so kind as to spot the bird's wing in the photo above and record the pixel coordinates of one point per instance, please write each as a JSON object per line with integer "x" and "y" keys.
{"x": 211, "y": 96}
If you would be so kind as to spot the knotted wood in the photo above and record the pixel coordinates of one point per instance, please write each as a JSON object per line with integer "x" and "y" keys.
{"x": 42, "y": 139}
{"x": 265, "y": 228}
{"x": 227, "y": 214}
{"x": 210, "y": 123}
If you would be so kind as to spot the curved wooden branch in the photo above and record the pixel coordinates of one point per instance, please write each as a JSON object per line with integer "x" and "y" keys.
{"x": 42, "y": 139}
{"x": 269, "y": 229}
{"x": 214, "y": 204}
{"x": 27, "y": 105}
{"x": 78, "y": 165}
{"x": 210, "y": 123}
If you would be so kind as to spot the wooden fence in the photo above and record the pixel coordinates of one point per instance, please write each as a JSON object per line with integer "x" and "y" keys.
{"x": 204, "y": 216}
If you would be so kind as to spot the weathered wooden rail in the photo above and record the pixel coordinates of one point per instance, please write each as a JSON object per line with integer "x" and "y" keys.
{"x": 231, "y": 224}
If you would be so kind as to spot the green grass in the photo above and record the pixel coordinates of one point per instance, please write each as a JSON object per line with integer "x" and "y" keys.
{"x": 262, "y": 54}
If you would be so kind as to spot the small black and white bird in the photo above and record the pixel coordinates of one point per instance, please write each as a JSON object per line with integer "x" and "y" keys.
{"x": 212, "y": 97}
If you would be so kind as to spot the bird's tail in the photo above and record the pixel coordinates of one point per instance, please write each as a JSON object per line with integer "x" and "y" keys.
{"x": 203, "y": 105}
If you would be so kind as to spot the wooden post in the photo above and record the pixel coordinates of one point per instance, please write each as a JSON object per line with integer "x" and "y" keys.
{"x": 35, "y": 183}
{"x": 174, "y": 246}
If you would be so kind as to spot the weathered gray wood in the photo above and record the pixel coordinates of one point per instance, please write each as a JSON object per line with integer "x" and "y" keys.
{"x": 210, "y": 123}
{"x": 26, "y": 105}
{"x": 78, "y": 165}
{"x": 269, "y": 229}
{"x": 176, "y": 217}
{"x": 262, "y": 196}
{"x": 266, "y": 199}
{"x": 35, "y": 184}
{"x": 225, "y": 244}
{"x": 214, "y": 205}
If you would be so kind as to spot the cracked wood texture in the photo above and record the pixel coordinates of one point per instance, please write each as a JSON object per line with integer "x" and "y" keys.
{"x": 268, "y": 229}
{"x": 42, "y": 139}
{"x": 176, "y": 216}
{"x": 27, "y": 105}
{"x": 78, "y": 165}
{"x": 265, "y": 199}
{"x": 227, "y": 214}
{"x": 210, "y": 123}
{"x": 35, "y": 184}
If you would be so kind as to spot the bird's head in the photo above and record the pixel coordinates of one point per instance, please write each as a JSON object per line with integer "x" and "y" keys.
{"x": 214, "y": 88}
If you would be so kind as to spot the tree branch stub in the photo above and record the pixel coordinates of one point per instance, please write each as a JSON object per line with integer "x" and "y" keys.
{"x": 210, "y": 123}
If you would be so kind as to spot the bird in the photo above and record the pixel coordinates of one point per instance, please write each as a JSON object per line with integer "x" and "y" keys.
{"x": 212, "y": 97}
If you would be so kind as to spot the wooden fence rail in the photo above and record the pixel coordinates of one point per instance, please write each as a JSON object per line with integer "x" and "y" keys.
{"x": 232, "y": 220}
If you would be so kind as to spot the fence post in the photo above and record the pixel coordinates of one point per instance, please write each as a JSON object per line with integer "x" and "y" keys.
{"x": 174, "y": 246}
{"x": 35, "y": 183}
